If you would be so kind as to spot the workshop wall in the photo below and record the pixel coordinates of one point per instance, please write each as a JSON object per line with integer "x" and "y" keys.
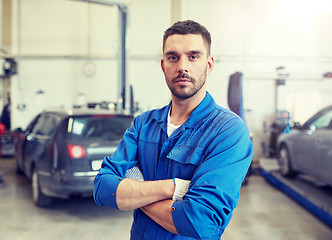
{"x": 1, "y": 14}
{"x": 257, "y": 36}
{"x": 54, "y": 40}
{"x": 251, "y": 36}
{"x": 54, "y": 37}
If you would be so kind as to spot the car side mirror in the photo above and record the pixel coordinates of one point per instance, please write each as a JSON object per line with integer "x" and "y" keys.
{"x": 297, "y": 125}
{"x": 19, "y": 130}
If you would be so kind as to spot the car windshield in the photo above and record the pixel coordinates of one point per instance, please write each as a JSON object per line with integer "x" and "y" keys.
{"x": 105, "y": 127}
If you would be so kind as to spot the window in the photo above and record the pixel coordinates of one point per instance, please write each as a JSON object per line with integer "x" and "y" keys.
{"x": 50, "y": 125}
{"x": 322, "y": 122}
{"x": 98, "y": 127}
{"x": 46, "y": 125}
{"x": 37, "y": 129}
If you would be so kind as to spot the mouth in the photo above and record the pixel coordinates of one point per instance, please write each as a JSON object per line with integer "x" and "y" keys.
{"x": 182, "y": 80}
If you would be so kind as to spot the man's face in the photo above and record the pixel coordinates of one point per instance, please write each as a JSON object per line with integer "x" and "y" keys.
{"x": 186, "y": 64}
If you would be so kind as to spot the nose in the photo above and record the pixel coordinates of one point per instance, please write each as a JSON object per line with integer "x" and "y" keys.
{"x": 182, "y": 65}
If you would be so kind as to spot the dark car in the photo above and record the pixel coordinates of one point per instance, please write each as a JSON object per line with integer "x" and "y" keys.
{"x": 62, "y": 151}
{"x": 307, "y": 148}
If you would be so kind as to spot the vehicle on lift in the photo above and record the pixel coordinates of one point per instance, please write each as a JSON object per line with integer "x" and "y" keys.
{"x": 62, "y": 151}
{"x": 307, "y": 148}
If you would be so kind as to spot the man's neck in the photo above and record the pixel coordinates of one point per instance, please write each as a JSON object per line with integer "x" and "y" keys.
{"x": 182, "y": 109}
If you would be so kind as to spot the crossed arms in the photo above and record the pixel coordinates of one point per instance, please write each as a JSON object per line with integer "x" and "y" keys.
{"x": 153, "y": 197}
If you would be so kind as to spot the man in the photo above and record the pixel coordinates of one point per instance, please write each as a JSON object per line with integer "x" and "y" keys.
{"x": 193, "y": 154}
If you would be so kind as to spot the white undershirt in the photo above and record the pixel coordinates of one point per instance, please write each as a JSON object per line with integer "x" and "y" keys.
{"x": 170, "y": 127}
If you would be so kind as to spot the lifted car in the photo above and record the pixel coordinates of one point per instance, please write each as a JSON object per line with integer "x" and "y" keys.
{"x": 307, "y": 148}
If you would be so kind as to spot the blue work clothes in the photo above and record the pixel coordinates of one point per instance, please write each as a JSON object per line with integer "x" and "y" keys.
{"x": 212, "y": 149}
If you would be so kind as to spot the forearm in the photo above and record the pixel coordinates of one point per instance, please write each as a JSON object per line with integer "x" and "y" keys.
{"x": 161, "y": 213}
{"x": 132, "y": 194}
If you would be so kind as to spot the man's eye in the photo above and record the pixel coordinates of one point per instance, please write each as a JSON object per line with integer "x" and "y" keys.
{"x": 172, "y": 58}
{"x": 193, "y": 57}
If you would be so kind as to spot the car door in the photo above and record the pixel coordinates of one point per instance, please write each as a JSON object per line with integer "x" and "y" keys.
{"x": 44, "y": 152}
{"x": 322, "y": 145}
{"x": 301, "y": 146}
{"x": 31, "y": 143}
{"x": 20, "y": 141}
{"x": 37, "y": 142}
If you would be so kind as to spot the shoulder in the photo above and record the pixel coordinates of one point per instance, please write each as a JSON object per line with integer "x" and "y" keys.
{"x": 219, "y": 115}
{"x": 225, "y": 124}
{"x": 224, "y": 117}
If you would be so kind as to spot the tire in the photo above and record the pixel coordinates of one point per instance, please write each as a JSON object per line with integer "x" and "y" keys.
{"x": 285, "y": 165}
{"x": 38, "y": 197}
{"x": 19, "y": 170}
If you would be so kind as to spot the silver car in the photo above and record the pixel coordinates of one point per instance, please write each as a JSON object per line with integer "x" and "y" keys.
{"x": 307, "y": 148}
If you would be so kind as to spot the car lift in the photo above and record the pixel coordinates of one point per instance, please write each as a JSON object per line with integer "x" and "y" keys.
{"x": 315, "y": 199}
{"x": 123, "y": 53}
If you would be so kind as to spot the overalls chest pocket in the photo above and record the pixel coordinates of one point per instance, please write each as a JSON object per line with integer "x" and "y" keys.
{"x": 184, "y": 161}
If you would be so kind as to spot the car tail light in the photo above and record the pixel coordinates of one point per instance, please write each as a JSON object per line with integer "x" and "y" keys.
{"x": 76, "y": 151}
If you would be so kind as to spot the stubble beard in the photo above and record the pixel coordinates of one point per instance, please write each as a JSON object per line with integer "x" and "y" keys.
{"x": 185, "y": 92}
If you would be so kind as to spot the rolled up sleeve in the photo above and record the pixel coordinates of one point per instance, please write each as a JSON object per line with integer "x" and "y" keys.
{"x": 109, "y": 182}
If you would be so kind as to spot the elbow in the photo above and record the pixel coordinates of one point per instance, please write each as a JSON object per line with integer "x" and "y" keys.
{"x": 212, "y": 227}
{"x": 104, "y": 192}
{"x": 215, "y": 224}
{"x": 211, "y": 224}
{"x": 95, "y": 197}
{"x": 100, "y": 196}
{"x": 96, "y": 194}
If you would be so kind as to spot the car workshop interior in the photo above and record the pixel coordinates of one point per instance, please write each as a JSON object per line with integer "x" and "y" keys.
{"x": 68, "y": 65}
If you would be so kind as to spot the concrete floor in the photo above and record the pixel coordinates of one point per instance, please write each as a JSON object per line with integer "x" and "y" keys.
{"x": 263, "y": 213}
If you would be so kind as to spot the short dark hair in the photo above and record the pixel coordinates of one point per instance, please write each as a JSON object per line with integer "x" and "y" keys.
{"x": 188, "y": 27}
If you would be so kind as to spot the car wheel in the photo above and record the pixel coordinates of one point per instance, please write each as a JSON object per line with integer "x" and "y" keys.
{"x": 38, "y": 197}
{"x": 18, "y": 167}
{"x": 285, "y": 164}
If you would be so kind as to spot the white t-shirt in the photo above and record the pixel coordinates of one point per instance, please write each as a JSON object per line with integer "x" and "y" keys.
{"x": 170, "y": 127}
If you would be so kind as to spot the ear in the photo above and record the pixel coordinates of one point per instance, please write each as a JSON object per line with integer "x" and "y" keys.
{"x": 210, "y": 65}
{"x": 162, "y": 65}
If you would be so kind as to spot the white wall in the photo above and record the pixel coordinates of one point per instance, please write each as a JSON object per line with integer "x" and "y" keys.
{"x": 251, "y": 36}
{"x": 1, "y": 60}
{"x": 54, "y": 30}
{"x": 255, "y": 37}
{"x": 1, "y": 23}
{"x": 51, "y": 36}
